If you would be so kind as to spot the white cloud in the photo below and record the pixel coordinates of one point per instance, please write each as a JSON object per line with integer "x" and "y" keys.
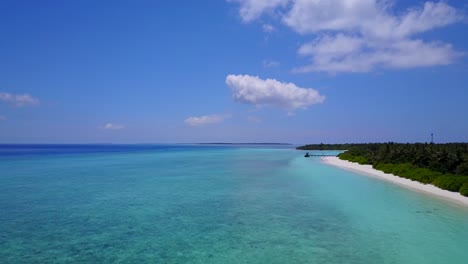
{"x": 362, "y": 35}
{"x": 270, "y": 64}
{"x": 342, "y": 53}
{"x": 431, "y": 16}
{"x": 270, "y": 92}
{"x": 307, "y": 16}
{"x": 112, "y": 126}
{"x": 252, "y": 9}
{"x": 332, "y": 45}
{"x": 205, "y": 120}
{"x": 19, "y": 100}
{"x": 268, "y": 28}
{"x": 367, "y": 17}
{"x": 2, "y": 117}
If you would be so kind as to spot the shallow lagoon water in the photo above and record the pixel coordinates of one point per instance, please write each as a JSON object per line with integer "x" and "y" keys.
{"x": 211, "y": 204}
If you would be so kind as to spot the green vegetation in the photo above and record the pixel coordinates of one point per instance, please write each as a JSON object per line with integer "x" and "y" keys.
{"x": 464, "y": 189}
{"x": 444, "y": 165}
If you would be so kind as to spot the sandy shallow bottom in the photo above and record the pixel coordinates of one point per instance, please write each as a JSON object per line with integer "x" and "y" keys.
{"x": 368, "y": 170}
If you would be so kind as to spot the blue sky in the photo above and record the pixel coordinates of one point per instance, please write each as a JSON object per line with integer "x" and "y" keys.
{"x": 296, "y": 71}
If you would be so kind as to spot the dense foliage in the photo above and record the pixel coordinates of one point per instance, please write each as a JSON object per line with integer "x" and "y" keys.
{"x": 444, "y": 165}
{"x": 464, "y": 189}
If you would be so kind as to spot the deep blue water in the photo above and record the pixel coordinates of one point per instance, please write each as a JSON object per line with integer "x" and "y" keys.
{"x": 212, "y": 204}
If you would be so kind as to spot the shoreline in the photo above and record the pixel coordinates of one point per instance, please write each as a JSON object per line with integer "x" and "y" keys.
{"x": 369, "y": 171}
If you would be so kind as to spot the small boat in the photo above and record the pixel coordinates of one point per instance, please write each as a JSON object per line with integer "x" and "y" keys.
{"x": 307, "y": 155}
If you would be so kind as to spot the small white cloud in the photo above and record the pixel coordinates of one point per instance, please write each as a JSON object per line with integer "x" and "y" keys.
{"x": 205, "y": 120}
{"x": 19, "y": 100}
{"x": 268, "y": 28}
{"x": 270, "y": 92}
{"x": 270, "y": 64}
{"x": 2, "y": 117}
{"x": 112, "y": 126}
{"x": 252, "y": 9}
{"x": 254, "y": 119}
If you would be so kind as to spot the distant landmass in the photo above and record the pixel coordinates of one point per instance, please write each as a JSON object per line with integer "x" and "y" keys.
{"x": 228, "y": 143}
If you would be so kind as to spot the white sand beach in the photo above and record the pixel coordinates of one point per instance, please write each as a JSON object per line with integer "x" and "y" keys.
{"x": 368, "y": 170}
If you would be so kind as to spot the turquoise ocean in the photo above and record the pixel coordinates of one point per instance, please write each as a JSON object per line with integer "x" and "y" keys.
{"x": 212, "y": 204}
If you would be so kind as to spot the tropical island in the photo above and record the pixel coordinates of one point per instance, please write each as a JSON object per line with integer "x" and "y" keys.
{"x": 442, "y": 165}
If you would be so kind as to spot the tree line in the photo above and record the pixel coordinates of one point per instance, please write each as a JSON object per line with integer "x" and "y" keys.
{"x": 444, "y": 165}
